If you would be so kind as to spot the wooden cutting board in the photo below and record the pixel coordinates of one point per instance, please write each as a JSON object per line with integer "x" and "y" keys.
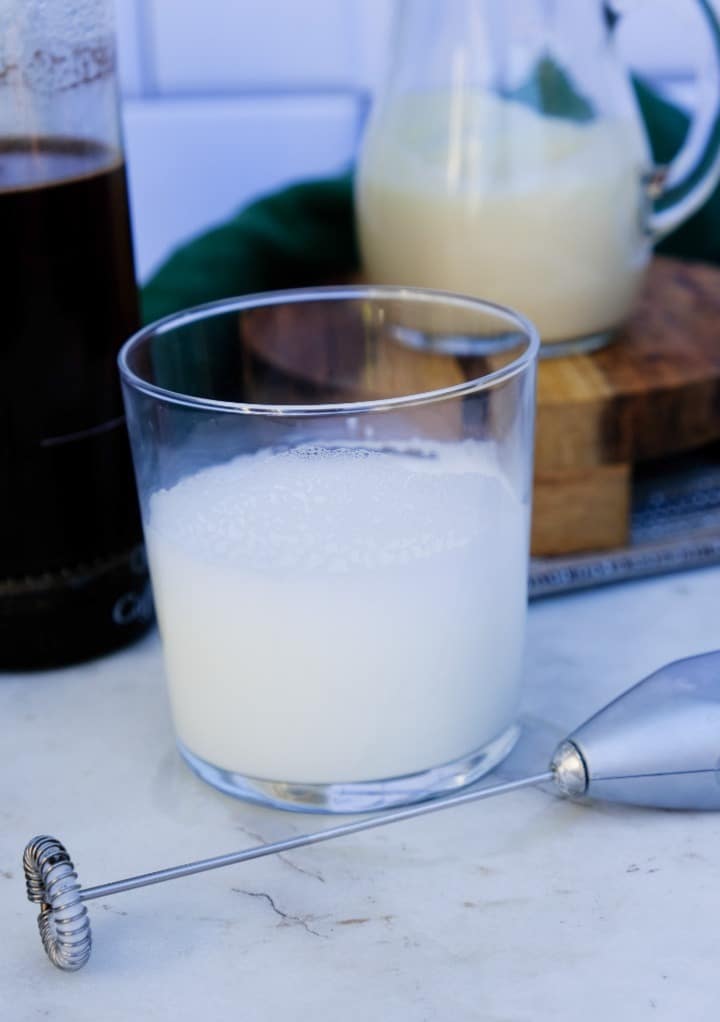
{"x": 655, "y": 391}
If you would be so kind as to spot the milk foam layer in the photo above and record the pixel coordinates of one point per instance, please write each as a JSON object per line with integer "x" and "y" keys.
{"x": 331, "y": 614}
{"x": 298, "y": 510}
{"x": 486, "y": 197}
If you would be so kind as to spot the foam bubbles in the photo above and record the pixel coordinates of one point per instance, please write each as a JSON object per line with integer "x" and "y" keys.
{"x": 334, "y": 509}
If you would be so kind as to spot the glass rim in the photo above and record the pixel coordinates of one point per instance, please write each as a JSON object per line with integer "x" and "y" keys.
{"x": 342, "y": 292}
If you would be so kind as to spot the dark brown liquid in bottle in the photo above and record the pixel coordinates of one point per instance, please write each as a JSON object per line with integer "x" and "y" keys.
{"x": 73, "y": 582}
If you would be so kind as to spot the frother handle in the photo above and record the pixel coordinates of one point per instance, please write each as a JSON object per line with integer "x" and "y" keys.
{"x": 656, "y": 745}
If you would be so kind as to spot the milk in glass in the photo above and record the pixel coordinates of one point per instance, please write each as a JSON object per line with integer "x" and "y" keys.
{"x": 341, "y": 614}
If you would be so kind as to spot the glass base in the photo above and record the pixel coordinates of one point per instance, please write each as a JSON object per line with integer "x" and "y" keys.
{"x": 577, "y": 345}
{"x": 357, "y": 796}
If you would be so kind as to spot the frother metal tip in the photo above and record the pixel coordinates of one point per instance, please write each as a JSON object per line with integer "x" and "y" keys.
{"x": 569, "y": 771}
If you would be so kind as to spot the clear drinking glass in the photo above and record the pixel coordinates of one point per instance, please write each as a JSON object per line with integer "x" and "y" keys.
{"x": 335, "y": 489}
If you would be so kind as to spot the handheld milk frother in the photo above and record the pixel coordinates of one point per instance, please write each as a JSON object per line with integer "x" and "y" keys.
{"x": 656, "y": 745}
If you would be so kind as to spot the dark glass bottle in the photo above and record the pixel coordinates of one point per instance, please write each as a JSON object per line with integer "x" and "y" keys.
{"x": 73, "y": 579}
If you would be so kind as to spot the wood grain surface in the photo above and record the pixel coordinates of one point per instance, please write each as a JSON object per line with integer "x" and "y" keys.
{"x": 577, "y": 510}
{"x": 654, "y": 391}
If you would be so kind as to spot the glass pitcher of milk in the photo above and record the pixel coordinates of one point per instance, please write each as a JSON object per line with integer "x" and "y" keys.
{"x": 506, "y": 158}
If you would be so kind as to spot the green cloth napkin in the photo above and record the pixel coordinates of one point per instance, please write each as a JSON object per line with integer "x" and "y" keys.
{"x": 306, "y": 233}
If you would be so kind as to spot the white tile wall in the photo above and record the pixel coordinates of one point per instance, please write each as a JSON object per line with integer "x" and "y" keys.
{"x": 371, "y": 22}
{"x": 227, "y": 99}
{"x": 193, "y": 162}
{"x": 220, "y": 46}
{"x": 665, "y": 38}
{"x": 130, "y": 51}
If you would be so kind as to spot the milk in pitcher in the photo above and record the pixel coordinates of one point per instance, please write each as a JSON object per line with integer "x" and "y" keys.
{"x": 484, "y": 196}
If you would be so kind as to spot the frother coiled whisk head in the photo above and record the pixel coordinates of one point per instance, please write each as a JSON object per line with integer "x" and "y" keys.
{"x": 53, "y": 884}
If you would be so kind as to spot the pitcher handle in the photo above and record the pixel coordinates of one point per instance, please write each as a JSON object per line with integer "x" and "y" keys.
{"x": 679, "y": 189}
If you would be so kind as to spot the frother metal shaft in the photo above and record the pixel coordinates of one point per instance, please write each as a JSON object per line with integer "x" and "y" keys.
{"x": 63, "y": 920}
{"x": 302, "y": 840}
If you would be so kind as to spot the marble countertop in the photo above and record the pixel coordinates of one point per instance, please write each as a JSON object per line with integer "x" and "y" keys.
{"x": 522, "y": 908}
